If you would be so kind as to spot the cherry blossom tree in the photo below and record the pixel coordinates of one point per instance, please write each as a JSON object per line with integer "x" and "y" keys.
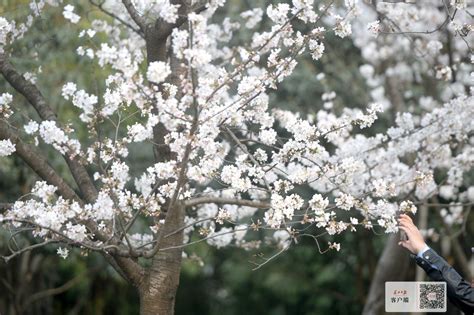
{"x": 226, "y": 162}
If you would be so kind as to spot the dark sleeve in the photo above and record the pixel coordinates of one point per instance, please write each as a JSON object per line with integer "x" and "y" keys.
{"x": 460, "y": 292}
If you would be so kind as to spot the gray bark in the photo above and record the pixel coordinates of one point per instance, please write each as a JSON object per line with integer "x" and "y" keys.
{"x": 393, "y": 265}
{"x": 158, "y": 291}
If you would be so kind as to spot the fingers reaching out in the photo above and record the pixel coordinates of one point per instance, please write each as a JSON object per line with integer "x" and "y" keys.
{"x": 404, "y": 217}
{"x": 404, "y": 244}
{"x": 415, "y": 240}
{"x": 406, "y": 221}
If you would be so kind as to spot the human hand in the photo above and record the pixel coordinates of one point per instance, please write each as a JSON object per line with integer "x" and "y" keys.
{"x": 415, "y": 242}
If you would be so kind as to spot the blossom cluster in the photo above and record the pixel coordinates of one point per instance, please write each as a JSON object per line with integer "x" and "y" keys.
{"x": 207, "y": 112}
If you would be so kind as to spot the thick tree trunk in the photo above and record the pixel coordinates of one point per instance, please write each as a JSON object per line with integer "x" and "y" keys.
{"x": 159, "y": 297}
{"x": 393, "y": 265}
{"x": 158, "y": 291}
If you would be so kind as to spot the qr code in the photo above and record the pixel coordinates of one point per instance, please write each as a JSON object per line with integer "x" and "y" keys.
{"x": 432, "y": 296}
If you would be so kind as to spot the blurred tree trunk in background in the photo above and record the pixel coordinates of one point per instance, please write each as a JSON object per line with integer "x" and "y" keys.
{"x": 393, "y": 265}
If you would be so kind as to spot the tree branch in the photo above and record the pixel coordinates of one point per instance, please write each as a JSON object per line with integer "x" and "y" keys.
{"x": 128, "y": 268}
{"x": 119, "y": 258}
{"x": 36, "y": 99}
{"x": 27, "y": 89}
{"x": 164, "y": 28}
{"x": 136, "y": 17}
{"x": 27, "y": 249}
{"x": 38, "y": 163}
{"x": 100, "y": 6}
{"x": 250, "y": 155}
{"x": 5, "y": 206}
{"x": 229, "y": 201}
